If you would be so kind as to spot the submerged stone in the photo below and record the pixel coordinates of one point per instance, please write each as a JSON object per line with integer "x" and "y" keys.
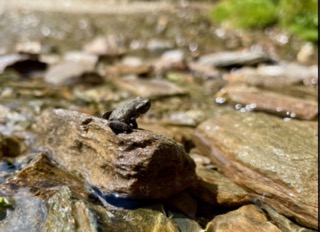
{"x": 273, "y": 159}
{"x": 140, "y": 164}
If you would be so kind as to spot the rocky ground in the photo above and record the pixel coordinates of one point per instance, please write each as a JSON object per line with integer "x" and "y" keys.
{"x": 229, "y": 142}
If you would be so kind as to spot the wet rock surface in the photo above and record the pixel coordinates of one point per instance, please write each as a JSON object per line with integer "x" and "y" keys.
{"x": 260, "y": 159}
{"x": 140, "y": 164}
{"x": 229, "y": 142}
{"x": 252, "y": 98}
{"x": 247, "y": 218}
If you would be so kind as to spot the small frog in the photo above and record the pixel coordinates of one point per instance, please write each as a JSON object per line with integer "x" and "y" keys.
{"x": 123, "y": 118}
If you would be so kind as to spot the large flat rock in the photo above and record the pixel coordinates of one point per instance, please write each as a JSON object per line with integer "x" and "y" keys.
{"x": 270, "y": 157}
{"x": 268, "y": 101}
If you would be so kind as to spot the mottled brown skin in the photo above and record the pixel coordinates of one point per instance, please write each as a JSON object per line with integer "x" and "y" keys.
{"x": 123, "y": 118}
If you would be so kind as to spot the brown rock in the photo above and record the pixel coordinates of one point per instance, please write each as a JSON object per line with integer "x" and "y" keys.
{"x": 11, "y": 146}
{"x": 43, "y": 178}
{"x": 170, "y": 60}
{"x": 105, "y": 46}
{"x": 237, "y": 58}
{"x": 149, "y": 88}
{"x": 138, "y": 165}
{"x": 67, "y": 72}
{"x": 256, "y": 99}
{"x": 280, "y": 75}
{"x": 274, "y": 159}
{"x": 247, "y": 218}
{"x": 283, "y": 223}
{"x": 223, "y": 191}
{"x": 123, "y": 69}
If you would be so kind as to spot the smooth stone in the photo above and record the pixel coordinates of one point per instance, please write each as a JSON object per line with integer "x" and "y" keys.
{"x": 141, "y": 164}
{"x": 30, "y": 47}
{"x": 153, "y": 88}
{"x": 26, "y": 65}
{"x": 10, "y": 59}
{"x": 247, "y": 218}
{"x": 157, "y": 45}
{"x": 67, "y": 72}
{"x": 203, "y": 71}
{"x": 87, "y": 59}
{"x": 280, "y": 75}
{"x": 186, "y": 118}
{"x": 273, "y": 159}
{"x": 251, "y": 98}
{"x": 198, "y": 158}
{"x": 215, "y": 188}
{"x": 124, "y": 69}
{"x": 170, "y": 60}
{"x": 105, "y": 46}
{"x": 230, "y": 58}
{"x": 307, "y": 53}
{"x": 187, "y": 225}
{"x": 11, "y": 146}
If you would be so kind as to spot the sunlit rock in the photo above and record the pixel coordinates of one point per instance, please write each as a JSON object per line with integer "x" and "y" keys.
{"x": 69, "y": 72}
{"x": 105, "y": 46}
{"x": 140, "y": 164}
{"x": 251, "y": 98}
{"x": 275, "y": 76}
{"x": 273, "y": 159}
{"x": 234, "y": 59}
{"x": 149, "y": 88}
{"x": 215, "y": 188}
{"x": 246, "y": 218}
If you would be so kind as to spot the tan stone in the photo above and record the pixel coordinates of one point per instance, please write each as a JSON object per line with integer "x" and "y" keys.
{"x": 270, "y": 157}
{"x": 252, "y": 98}
{"x": 149, "y": 88}
{"x": 140, "y": 164}
{"x": 245, "y": 219}
{"x": 223, "y": 191}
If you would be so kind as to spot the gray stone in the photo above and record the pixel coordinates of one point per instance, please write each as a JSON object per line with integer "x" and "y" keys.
{"x": 227, "y": 59}
{"x": 28, "y": 213}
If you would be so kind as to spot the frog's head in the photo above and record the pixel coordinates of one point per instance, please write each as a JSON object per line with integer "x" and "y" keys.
{"x": 143, "y": 105}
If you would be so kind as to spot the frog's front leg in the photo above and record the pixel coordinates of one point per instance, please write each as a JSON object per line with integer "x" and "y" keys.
{"x": 119, "y": 127}
{"x": 134, "y": 123}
